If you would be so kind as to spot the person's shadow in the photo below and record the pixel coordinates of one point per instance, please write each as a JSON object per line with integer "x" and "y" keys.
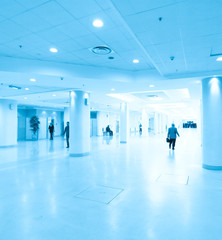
{"x": 171, "y": 155}
{"x": 51, "y": 147}
{"x": 107, "y": 139}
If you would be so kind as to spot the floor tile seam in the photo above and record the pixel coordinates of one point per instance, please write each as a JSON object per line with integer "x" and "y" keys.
{"x": 35, "y": 159}
{"x": 29, "y": 163}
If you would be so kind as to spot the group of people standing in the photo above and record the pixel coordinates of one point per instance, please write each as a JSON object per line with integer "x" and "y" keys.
{"x": 65, "y": 132}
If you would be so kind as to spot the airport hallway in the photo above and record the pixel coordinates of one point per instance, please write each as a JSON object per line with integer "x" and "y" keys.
{"x": 135, "y": 191}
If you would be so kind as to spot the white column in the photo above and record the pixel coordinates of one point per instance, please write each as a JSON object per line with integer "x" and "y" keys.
{"x": 79, "y": 124}
{"x": 8, "y": 123}
{"x": 66, "y": 115}
{"x": 212, "y": 122}
{"x": 123, "y": 123}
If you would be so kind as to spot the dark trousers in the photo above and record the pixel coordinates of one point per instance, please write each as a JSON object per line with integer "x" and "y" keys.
{"x": 51, "y": 135}
{"x": 172, "y": 142}
{"x": 67, "y": 142}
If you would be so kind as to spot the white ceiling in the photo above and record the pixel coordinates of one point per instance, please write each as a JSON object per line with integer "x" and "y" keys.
{"x": 155, "y": 32}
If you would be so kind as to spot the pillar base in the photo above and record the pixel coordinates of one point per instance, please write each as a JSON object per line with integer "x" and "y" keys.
{"x": 210, "y": 167}
{"x": 123, "y": 141}
{"x": 79, "y": 154}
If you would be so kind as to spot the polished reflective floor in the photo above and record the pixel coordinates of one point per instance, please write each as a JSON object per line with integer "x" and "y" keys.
{"x": 135, "y": 191}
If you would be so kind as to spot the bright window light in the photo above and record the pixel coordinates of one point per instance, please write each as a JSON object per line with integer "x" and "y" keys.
{"x": 219, "y": 59}
{"x": 136, "y": 61}
{"x": 123, "y": 97}
{"x": 97, "y": 23}
{"x": 156, "y": 98}
{"x": 54, "y": 50}
{"x": 32, "y": 80}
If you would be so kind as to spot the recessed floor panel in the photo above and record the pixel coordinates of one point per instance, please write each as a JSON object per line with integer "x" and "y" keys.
{"x": 100, "y": 193}
{"x": 173, "y": 179}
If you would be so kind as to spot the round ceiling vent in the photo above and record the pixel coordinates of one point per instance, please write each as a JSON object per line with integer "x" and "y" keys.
{"x": 101, "y": 50}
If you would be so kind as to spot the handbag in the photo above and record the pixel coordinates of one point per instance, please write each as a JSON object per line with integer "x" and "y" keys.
{"x": 167, "y": 140}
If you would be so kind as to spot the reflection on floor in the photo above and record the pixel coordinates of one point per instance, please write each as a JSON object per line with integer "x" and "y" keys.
{"x": 140, "y": 190}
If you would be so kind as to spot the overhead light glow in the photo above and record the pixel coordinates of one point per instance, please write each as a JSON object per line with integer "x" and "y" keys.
{"x": 54, "y": 50}
{"x": 136, "y": 61}
{"x": 54, "y": 95}
{"x": 151, "y": 85}
{"x": 25, "y": 98}
{"x": 32, "y": 80}
{"x": 98, "y": 23}
{"x": 26, "y": 89}
{"x": 112, "y": 89}
{"x": 219, "y": 59}
{"x": 14, "y": 87}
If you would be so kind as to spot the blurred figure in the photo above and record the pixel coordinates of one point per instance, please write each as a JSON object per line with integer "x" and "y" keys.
{"x": 172, "y": 135}
{"x": 66, "y": 132}
{"x": 108, "y": 130}
{"x": 51, "y": 130}
{"x": 140, "y": 129}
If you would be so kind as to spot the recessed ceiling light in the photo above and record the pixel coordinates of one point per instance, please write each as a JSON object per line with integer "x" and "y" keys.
{"x": 54, "y": 95}
{"x": 97, "y": 23}
{"x": 151, "y": 85}
{"x": 32, "y": 80}
{"x": 112, "y": 89}
{"x": 54, "y": 50}
{"x": 136, "y": 61}
{"x": 26, "y": 89}
{"x": 219, "y": 59}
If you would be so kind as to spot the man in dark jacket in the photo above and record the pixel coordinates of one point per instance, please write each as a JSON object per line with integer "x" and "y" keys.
{"x": 172, "y": 135}
{"x": 51, "y": 130}
{"x": 66, "y": 132}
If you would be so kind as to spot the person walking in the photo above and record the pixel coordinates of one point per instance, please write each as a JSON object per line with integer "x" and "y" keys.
{"x": 172, "y": 135}
{"x": 66, "y": 132}
{"x": 51, "y": 130}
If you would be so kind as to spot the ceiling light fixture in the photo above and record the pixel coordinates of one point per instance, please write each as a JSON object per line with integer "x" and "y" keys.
{"x": 98, "y": 23}
{"x": 14, "y": 87}
{"x": 112, "y": 89}
{"x": 26, "y": 89}
{"x": 151, "y": 85}
{"x": 54, "y": 95}
{"x": 136, "y": 61}
{"x": 32, "y": 80}
{"x": 101, "y": 50}
{"x": 54, "y": 50}
{"x": 219, "y": 59}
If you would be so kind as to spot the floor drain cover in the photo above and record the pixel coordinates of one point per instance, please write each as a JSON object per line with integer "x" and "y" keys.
{"x": 173, "y": 179}
{"x": 98, "y": 193}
